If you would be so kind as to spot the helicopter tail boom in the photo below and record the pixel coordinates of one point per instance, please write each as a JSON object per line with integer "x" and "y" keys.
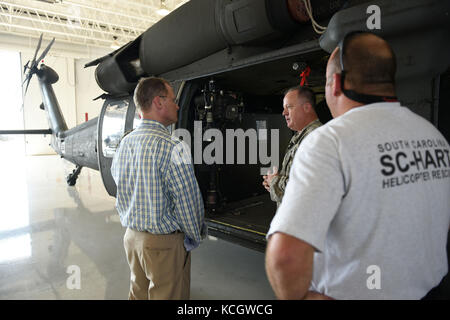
{"x": 47, "y": 76}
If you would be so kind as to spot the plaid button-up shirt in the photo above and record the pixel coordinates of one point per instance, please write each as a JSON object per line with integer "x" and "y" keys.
{"x": 156, "y": 192}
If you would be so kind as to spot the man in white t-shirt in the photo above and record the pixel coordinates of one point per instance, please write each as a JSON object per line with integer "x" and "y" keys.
{"x": 366, "y": 210}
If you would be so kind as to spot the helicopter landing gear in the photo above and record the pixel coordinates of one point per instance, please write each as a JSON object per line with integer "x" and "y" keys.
{"x": 72, "y": 178}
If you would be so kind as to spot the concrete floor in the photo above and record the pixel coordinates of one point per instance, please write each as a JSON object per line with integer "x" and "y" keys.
{"x": 50, "y": 233}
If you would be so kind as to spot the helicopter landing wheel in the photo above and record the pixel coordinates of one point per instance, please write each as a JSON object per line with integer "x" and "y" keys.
{"x": 72, "y": 178}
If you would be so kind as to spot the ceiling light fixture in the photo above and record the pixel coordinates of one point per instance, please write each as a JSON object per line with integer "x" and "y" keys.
{"x": 163, "y": 11}
{"x": 115, "y": 44}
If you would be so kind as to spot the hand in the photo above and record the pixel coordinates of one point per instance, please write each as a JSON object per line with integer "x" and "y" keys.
{"x": 266, "y": 183}
{"x": 269, "y": 177}
{"x": 312, "y": 295}
{"x": 190, "y": 244}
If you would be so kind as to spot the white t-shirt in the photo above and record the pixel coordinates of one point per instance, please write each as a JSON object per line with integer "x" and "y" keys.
{"x": 370, "y": 191}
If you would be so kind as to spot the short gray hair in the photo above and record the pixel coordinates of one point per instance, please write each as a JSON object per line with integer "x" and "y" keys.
{"x": 304, "y": 92}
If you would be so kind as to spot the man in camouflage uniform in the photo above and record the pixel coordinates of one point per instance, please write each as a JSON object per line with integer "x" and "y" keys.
{"x": 298, "y": 110}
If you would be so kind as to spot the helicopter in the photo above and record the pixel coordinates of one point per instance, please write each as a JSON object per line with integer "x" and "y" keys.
{"x": 229, "y": 63}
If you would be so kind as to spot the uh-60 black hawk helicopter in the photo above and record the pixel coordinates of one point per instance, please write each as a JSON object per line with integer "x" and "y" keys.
{"x": 229, "y": 62}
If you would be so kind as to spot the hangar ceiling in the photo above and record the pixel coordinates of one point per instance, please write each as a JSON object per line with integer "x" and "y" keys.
{"x": 100, "y": 23}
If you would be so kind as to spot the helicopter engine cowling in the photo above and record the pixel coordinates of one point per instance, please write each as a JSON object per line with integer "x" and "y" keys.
{"x": 202, "y": 27}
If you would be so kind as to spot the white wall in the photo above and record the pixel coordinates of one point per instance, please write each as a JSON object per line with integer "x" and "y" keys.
{"x": 86, "y": 90}
{"x": 10, "y": 81}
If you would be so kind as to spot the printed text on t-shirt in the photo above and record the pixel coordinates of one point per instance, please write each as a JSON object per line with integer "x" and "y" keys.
{"x": 411, "y": 161}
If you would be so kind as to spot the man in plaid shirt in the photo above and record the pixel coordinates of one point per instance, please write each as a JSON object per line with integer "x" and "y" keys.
{"x": 158, "y": 198}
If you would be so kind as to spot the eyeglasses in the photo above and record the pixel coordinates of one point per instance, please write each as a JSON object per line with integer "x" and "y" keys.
{"x": 173, "y": 99}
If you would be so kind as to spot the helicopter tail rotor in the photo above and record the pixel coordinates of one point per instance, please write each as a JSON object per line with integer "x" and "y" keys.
{"x": 33, "y": 67}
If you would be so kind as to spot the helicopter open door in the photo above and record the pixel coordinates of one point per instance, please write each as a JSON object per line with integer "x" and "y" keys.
{"x": 118, "y": 116}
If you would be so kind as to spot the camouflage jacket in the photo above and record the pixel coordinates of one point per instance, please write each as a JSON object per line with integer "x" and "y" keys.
{"x": 278, "y": 184}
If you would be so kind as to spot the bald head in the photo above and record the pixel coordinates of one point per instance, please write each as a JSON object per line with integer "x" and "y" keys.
{"x": 369, "y": 63}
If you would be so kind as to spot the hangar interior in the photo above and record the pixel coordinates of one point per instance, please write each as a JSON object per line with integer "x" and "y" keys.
{"x": 48, "y": 227}
{"x": 229, "y": 71}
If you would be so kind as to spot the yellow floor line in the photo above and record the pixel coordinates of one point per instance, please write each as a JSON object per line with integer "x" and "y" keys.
{"x": 236, "y": 227}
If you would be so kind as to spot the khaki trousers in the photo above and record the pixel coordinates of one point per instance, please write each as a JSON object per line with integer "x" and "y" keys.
{"x": 160, "y": 266}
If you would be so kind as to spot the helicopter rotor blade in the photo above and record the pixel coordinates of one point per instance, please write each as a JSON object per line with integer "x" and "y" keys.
{"x": 25, "y": 67}
{"x": 28, "y": 79}
{"x": 32, "y": 70}
{"x": 24, "y": 93}
{"x": 44, "y": 53}
{"x": 37, "y": 49}
{"x": 33, "y": 67}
